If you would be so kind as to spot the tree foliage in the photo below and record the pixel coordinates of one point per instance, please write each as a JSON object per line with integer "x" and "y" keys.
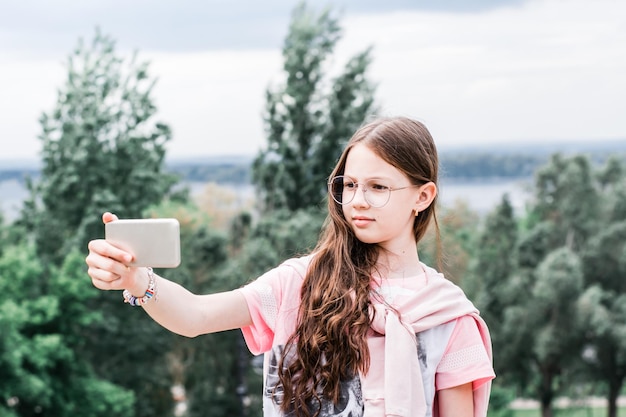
{"x": 43, "y": 321}
{"x": 552, "y": 286}
{"x": 494, "y": 260}
{"x": 103, "y": 149}
{"x": 309, "y": 119}
{"x": 603, "y": 308}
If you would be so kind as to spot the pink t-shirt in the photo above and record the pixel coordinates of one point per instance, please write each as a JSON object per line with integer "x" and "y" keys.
{"x": 449, "y": 354}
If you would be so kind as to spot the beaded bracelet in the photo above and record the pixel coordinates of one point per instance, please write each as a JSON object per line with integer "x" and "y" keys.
{"x": 150, "y": 292}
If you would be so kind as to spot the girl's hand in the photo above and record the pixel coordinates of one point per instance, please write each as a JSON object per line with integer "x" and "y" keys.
{"x": 109, "y": 266}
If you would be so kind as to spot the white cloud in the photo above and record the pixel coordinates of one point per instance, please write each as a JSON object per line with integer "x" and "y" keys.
{"x": 550, "y": 70}
{"x": 214, "y": 100}
{"x": 27, "y": 88}
{"x": 547, "y": 70}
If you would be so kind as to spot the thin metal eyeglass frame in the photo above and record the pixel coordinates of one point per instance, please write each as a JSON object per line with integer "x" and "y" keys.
{"x": 365, "y": 189}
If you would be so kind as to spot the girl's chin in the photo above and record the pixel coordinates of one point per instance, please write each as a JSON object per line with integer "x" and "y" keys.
{"x": 366, "y": 238}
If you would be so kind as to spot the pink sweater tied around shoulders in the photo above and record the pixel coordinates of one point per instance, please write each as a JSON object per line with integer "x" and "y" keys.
{"x": 438, "y": 302}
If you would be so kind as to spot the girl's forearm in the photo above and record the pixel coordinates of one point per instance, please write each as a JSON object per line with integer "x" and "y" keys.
{"x": 188, "y": 314}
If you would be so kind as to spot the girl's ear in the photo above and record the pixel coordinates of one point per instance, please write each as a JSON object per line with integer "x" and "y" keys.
{"x": 426, "y": 195}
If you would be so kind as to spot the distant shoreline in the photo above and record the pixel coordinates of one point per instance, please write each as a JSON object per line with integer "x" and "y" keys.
{"x": 478, "y": 174}
{"x": 480, "y": 196}
{"x": 522, "y": 147}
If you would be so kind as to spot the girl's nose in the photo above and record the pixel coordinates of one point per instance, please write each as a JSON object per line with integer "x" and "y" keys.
{"x": 359, "y": 199}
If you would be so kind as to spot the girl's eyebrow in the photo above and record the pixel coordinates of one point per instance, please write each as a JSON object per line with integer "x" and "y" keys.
{"x": 374, "y": 178}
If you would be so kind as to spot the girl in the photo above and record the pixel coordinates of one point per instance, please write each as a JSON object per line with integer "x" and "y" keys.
{"x": 359, "y": 327}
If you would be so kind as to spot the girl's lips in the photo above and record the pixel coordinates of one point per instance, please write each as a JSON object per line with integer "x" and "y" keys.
{"x": 361, "y": 221}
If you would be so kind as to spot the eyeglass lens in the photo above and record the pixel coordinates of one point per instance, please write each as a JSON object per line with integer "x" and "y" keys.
{"x": 343, "y": 189}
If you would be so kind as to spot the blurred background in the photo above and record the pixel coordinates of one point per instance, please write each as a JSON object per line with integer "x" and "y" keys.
{"x": 219, "y": 113}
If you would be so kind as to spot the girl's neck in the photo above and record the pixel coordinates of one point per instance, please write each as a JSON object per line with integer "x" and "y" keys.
{"x": 398, "y": 265}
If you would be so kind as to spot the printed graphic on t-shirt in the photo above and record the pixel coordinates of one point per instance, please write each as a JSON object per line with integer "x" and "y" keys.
{"x": 350, "y": 400}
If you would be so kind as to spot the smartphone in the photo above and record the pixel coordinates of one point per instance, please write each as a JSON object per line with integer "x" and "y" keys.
{"x": 153, "y": 242}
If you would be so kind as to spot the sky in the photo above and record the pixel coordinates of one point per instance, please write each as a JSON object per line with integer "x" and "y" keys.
{"x": 476, "y": 72}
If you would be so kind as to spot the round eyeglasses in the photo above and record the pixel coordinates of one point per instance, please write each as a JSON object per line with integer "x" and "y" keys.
{"x": 343, "y": 189}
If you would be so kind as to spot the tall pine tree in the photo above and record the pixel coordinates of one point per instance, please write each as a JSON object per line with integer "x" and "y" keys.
{"x": 309, "y": 118}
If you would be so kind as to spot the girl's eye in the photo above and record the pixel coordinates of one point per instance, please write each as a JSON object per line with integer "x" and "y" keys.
{"x": 377, "y": 187}
{"x": 349, "y": 185}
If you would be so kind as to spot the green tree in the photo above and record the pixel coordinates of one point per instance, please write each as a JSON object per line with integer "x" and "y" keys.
{"x": 553, "y": 291}
{"x": 538, "y": 339}
{"x": 584, "y": 208}
{"x": 604, "y": 309}
{"x": 542, "y": 331}
{"x": 309, "y": 119}
{"x": 567, "y": 197}
{"x": 493, "y": 283}
{"x": 494, "y": 262}
{"x": 42, "y": 318}
{"x": 491, "y": 280}
{"x": 552, "y": 313}
{"x": 103, "y": 149}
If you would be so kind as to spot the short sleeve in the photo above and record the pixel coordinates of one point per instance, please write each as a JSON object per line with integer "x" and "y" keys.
{"x": 272, "y": 302}
{"x": 465, "y": 359}
{"x": 263, "y": 308}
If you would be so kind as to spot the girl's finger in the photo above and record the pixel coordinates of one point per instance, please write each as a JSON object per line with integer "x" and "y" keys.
{"x": 108, "y": 265}
{"x": 105, "y": 280}
{"x": 108, "y": 217}
{"x": 107, "y": 250}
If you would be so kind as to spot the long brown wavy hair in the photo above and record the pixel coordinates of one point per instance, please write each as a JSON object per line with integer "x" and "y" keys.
{"x": 333, "y": 320}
